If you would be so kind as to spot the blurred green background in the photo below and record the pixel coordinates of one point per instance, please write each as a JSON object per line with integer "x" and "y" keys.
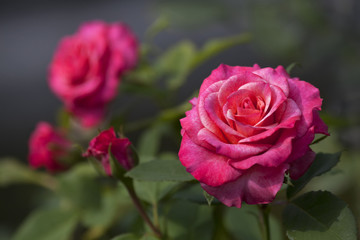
{"x": 323, "y": 37}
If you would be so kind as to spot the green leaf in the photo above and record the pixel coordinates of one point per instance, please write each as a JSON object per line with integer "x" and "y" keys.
{"x": 216, "y": 46}
{"x": 126, "y": 236}
{"x": 175, "y": 63}
{"x": 159, "y": 25}
{"x": 152, "y": 192}
{"x": 193, "y": 14}
{"x": 80, "y": 187}
{"x": 160, "y": 170}
{"x": 13, "y": 171}
{"x": 250, "y": 228}
{"x": 148, "y": 237}
{"x": 323, "y": 163}
{"x": 114, "y": 204}
{"x": 193, "y": 224}
{"x": 319, "y": 139}
{"x": 291, "y": 67}
{"x": 319, "y": 215}
{"x": 52, "y": 224}
{"x": 149, "y": 143}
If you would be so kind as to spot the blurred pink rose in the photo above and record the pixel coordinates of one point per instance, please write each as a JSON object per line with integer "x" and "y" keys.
{"x": 120, "y": 149}
{"x": 249, "y": 126}
{"x": 86, "y": 68}
{"x": 46, "y": 148}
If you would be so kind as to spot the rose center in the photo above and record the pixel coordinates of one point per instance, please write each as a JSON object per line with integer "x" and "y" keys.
{"x": 250, "y": 110}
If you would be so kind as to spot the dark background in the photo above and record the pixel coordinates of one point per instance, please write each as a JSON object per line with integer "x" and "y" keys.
{"x": 322, "y": 36}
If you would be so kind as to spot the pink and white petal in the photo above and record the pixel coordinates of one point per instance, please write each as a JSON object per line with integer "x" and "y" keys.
{"x": 259, "y": 185}
{"x": 300, "y": 165}
{"x": 206, "y": 121}
{"x": 205, "y": 165}
{"x": 243, "y": 129}
{"x": 275, "y": 156}
{"x": 232, "y": 151}
{"x": 223, "y": 72}
{"x": 273, "y": 77}
{"x": 233, "y": 83}
{"x": 277, "y": 99}
{"x": 213, "y": 112}
{"x": 291, "y": 115}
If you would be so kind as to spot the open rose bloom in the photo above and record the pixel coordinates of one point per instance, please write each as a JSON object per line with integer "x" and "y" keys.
{"x": 120, "y": 148}
{"x": 248, "y": 127}
{"x": 86, "y": 68}
{"x": 46, "y": 148}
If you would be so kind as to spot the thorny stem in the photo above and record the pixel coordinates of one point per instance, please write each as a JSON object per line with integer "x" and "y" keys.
{"x": 141, "y": 210}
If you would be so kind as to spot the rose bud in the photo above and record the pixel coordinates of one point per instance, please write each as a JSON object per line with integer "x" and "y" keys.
{"x": 120, "y": 149}
{"x": 248, "y": 127}
{"x": 86, "y": 68}
{"x": 47, "y": 148}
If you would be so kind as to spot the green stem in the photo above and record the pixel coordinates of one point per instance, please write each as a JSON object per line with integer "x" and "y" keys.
{"x": 155, "y": 214}
{"x": 141, "y": 210}
{"x": 265, "y": 212}
{"x": 220, "y": 231}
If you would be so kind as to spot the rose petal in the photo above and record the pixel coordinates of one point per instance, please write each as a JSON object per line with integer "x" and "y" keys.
{"x": 233, "y": 151}
{"x": 277, "y": 98}
{"x": 242, "y": 128}
{"x": 320, "y": 126}
{"x": 282, "y": 71}
{"x": 301, "y": 145}
{"x": 206, "y": 166}
{"x": 258, "y": 185}
{"x": 274, "y": 77}
{"x": 233, "y": 83}
{"x": 211, "y": 110}
{"x": 300, "y": 165}
{"x": 206, "y": 121}
{"x": 191, "y": 125}
{"x": 223, "y": 72}
{"x": 289, "y": 118}
{"x": 307, "y": 97}
{"x": 124, "y": 48}
{"x": 276, "y": 154}
{"x": 120, "y": 150}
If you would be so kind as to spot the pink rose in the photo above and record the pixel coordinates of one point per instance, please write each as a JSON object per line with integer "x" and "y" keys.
{"x": 120, "y": 149}
{"x": 86, "y": 67}
{"x": 46, "y": 148}
{"x": 248, "y": 127}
